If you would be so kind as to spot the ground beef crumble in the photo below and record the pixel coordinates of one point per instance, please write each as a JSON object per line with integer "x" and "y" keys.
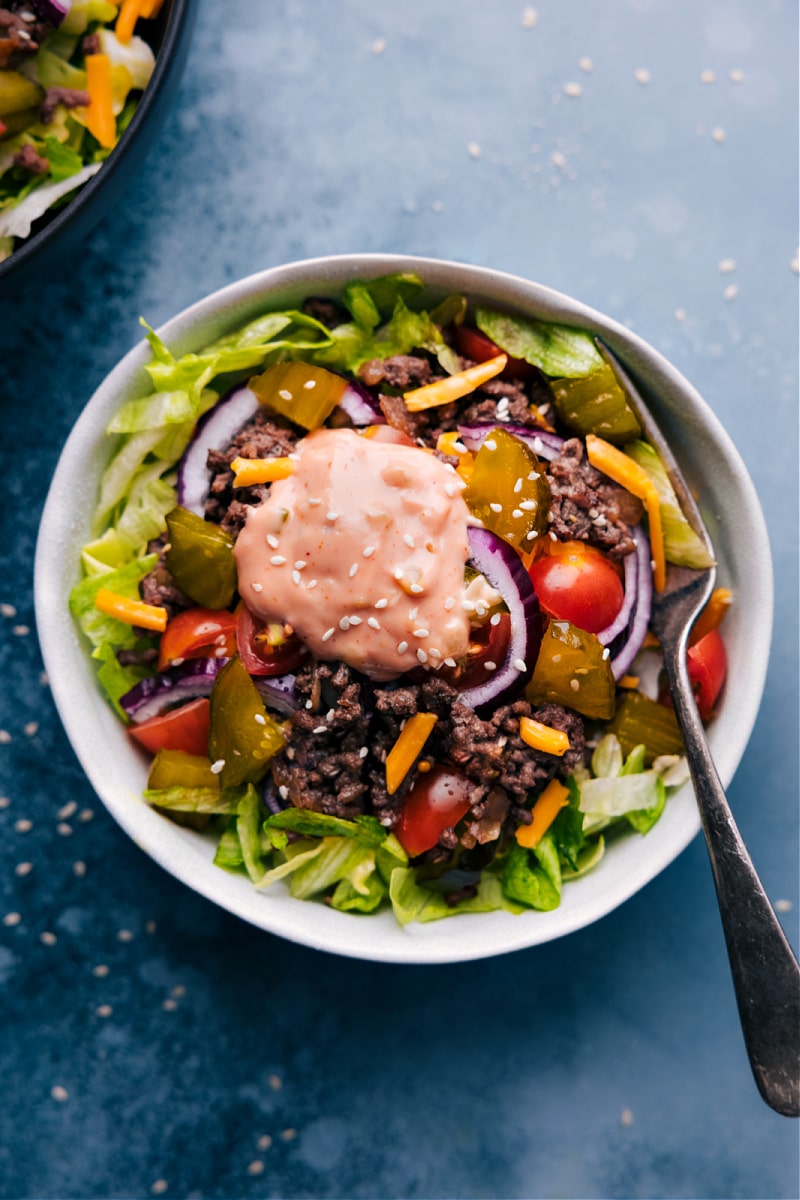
{"x": 586, "y": 506}
{"x": 265, "y": 435}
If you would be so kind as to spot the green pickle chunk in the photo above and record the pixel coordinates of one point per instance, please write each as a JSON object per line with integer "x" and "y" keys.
{"x": 200, "y": 559}
{"x": 596, "y": 404}
{"x": 300, "y": 391}
{"x": 640, "y": 721}
{"x": 571, "y": 670}
{"x": 508, "y": 490}
{"x": 243, "y": 736}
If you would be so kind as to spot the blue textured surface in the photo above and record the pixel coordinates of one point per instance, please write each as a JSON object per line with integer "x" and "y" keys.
{"x": 226, "y": 1062}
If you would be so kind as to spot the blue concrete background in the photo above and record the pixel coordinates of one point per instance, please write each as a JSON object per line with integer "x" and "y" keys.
{"x": 641, "y": 155}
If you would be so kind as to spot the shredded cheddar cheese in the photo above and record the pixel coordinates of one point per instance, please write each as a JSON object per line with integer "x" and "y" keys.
{"x": 554, "y": 797}
{"x": 400, "y": 758}
{"x": 444, "y": 391}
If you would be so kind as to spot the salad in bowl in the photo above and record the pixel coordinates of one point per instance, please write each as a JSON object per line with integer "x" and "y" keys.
{"x": 366, "y": 579}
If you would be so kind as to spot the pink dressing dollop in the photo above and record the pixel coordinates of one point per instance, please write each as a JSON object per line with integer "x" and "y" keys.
{"x": 362, "y": 552}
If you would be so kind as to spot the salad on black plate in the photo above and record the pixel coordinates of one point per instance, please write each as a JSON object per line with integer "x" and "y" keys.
{"x": 371, "y": 583}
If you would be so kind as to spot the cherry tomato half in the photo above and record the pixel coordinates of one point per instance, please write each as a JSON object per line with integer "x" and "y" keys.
{"x": 197, "y": 633}
{"x": 185, "y": 728}
{"x": 471, "y": 343}
{"x": 577, "y": 583}
{"x": 437, "y": 800}
{"x": 708, "y": 665}
{"x": 257, "y": 655}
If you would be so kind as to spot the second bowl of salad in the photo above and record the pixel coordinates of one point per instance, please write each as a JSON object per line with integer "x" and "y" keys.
{"x": 354, "y": 593}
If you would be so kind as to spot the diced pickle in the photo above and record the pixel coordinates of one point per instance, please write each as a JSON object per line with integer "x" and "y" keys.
{"x": 176, "y": 768}
{"x": 200, "y": 559}
{"x": 640, "y": 721}
{"x": 508, "y": 490}
{"x": 300, "y": 391}
{"x": 571, "y": 670}
{"x": 17, "y": 92}
{"x": 243, "y": 737}
{"x": 596, "y": 404}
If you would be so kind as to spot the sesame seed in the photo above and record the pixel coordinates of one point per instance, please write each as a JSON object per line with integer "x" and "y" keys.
{"x": 257, "y": 587}
{"x": 67, "y": 810}
{"x": 573, "y": 89}
{"x": 481, "y": 609}
{"x": 283, "y": 792}
{"x": 422, "y": 656}
{"x": 496, "y": 508}
{"x": 355, "y": 620}
{"x": 718, "y": 135}
{"x": 412, "y": 613}
{"x": 31, "y": 729}
{"x": 642, "y": 75}
{"x": 314, "y": 502}
{"x": 783, "y": 906}
{"x": 449, "y": 662}
{"x": 23, "y": 825}
{"x": 22, "y": 869}
{"x": 312, "y": 583}
{"x": 402, "y": 647}
{"x": 8, "y": 610}
{"x": 409, "y": 541}
{"x": 490, "y": 666}
{"x": 4, "y": 802}
{"x": 502, "y": 404}
{"x": 218, "y": 766}
{"x": 264, "y": 1142}
{"x": 259, "y": 718}
{"x": 85, "y": 815}
{"x": 421, "y": 633}
{"x": 368, "y": 551}
{"x": 47, "y": 938}
{"x": 272, "y": 541}
{"x": 553, "y": 537}
{"x": 726, "y": 265}
{"x": 296, "y": 577}
{"x": 353, "y": 570}
{"x": 59, "y": 1093}
{"x": 5, "y": 737}
{"x": 398, "y": 573}
{"x": 450, "y": 603}
{"x": 285, "y": 394}
{"x": 11, "y": 919}
{"x": 381, "y": 603}
{"x": 494, "y": 619}
{"x": 532, "y": 475}
{"x": 518, "y": 485}
{"x": 490, "y": 444}
{"x": 574, "y": 684}
{"x": 519, "y": 664}
{"x": 256, "y": 1167}
{"x": 417, "y": 589}
{"x": 373, "y": 623}
{"x": 529, "y": 17}
{"x": 331, "y": 516}
{"x": 309, "y": 384}
{"x": 344, "y": 623}
{"x": 277, "y": 560}
{"x": 363, "y": 752}
{"x": 328, "y": 634}
{"x": 159, "y": 1187}
{"x": 100, "y": 971}
{"x": 606, "y": 654}
{"x": 124, "y": 935}
{"x": 450, "y": 489}
{"x": 320, "y": 729}
{"x": 516, "y": 514}
{"x": 169, "y": 1005}
{"x": 104, "y": 1010}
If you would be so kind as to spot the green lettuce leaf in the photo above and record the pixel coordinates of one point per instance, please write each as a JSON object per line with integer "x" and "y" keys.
{"x": 348, "y": 898}
{"x": 682, "y": 546}
{"x": 307, "y": 823}
{"x": 533, "y": 877}
{"x": 413, "y": 902}
{"x": 229, "y": 850}
{"x": 248, "y": 827}
{"x": 558, "y": 350}
{"x": 194, "y": 799}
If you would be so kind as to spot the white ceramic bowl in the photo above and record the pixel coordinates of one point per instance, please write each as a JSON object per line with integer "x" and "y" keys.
{"x": 117, "y": 770}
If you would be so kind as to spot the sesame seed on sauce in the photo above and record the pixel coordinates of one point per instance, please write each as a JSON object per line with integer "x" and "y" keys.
{"x": 381, "y": 603}
{"x": 416, "y": 589}
{"x": 398, "y": 573}
{"x": 331, "y": 516}
{"x": 355, "y": 620}
{"x": 257, "y": 587}
{"x": 296, "y": 577}
{"x": 421, "y": 633}
{"x": 422, "y": 656}
{"x": 328, "y": 634}
{"x": 449, "y": 662}
{"x": 368, "y": 551}
{"x": 409, "y": 541}
{"x": 300, "y": 565}
{"x": 277, "y": 560}
{"x": 373, "y": 623}
{"x": 272, "y": 541}
{"x": 450, "y": 603}
{"x": 314, "y": 502}
{"x": 402, "y": 647}
{"x": 312, "y": 583}
{"x": 353, "y": 570}
{"x": 344, "y": 623}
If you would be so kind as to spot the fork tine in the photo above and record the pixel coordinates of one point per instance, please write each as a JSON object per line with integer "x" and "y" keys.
{"x": 659, "y": 444}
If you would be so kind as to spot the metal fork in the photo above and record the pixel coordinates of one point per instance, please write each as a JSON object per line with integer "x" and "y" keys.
{"x": 766, "y": 975}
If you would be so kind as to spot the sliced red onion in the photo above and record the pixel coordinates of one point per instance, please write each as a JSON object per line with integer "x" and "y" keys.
{"x": 361, "y": 406}
{"x": 623, "y": 617}
{"x": 215, "y": 430}
{"x": 52, "y": 11}
{"x": 637, "y": 629}
{"x": 154, "y": 695}
{"x": 271, "y": 797}
{"x": 543, "y": 443}
{"x": 502, "y": 567}
{"x": 278, "y": 692}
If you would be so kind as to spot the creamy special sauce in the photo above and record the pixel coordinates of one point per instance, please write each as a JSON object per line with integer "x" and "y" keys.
{"x": 362, "y": 551}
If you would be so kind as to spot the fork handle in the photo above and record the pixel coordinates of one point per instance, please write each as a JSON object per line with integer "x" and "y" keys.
{"x": 766, "y": 975}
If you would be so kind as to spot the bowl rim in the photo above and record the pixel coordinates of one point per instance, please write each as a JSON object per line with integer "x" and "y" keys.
{"x": 179, "y": 14}
{"x": 453, "y": 941}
